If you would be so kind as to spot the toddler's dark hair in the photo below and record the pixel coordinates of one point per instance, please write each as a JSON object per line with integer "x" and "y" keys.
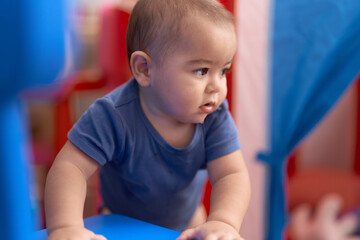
{"x": 154, "y": 25}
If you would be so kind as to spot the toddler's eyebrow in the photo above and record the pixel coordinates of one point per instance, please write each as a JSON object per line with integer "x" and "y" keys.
{"x": 200, "y": 61}
{"x": 205, "y": 61}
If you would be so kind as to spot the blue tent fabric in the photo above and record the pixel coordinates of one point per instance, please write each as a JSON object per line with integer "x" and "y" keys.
{"x": 315, "y": 56}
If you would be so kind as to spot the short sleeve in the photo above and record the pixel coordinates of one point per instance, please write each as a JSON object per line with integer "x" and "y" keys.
{"x": 97, "y": 133}
{"x": 221, "y": 134}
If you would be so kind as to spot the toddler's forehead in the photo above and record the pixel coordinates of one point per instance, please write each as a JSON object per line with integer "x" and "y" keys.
{"x": 198, "y": 41}
{"x": 176, "y": 35}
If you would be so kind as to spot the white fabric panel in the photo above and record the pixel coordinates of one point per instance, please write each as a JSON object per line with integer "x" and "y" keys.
{"x": 249, "y": 102}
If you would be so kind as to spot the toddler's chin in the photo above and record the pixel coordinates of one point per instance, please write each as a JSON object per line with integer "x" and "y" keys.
{"x": 201, "y": 121}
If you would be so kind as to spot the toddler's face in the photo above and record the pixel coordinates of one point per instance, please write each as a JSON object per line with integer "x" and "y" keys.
{"x": 190, "y": 81}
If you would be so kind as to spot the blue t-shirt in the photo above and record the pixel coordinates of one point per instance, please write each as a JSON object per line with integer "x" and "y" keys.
{"x": 143, "y": 176}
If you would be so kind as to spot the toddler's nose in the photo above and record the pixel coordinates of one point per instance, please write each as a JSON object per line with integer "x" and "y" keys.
{"x": 215, "y": 84}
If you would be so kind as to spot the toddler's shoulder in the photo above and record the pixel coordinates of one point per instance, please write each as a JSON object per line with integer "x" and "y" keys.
{"x": 123, "y": 94}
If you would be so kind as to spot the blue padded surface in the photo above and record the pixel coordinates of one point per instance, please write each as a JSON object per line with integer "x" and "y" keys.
{"x": 115, "y": 226}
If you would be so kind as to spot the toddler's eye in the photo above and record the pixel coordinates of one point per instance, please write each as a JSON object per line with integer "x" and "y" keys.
{"x": 225, "y": 71}
{"x": 202, "y": 71}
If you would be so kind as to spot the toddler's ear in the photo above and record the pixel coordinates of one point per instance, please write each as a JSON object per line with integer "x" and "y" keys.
{"x": 140, "y": 65}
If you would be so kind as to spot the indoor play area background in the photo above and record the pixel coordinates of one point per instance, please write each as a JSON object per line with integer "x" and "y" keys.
{"x": 293, "y": 93}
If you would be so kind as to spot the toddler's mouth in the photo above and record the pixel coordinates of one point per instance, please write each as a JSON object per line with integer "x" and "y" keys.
{"x": 208, "y": 107}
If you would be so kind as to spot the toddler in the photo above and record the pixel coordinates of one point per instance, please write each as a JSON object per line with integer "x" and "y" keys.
{"x": 157, "y": 137}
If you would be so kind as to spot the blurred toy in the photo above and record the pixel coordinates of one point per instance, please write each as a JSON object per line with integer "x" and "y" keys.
{"x": 325, "y": 223}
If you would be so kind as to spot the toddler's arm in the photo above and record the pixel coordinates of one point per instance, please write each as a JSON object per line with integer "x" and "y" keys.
{"x": 65, "y": 193}
{"x": 229, "y": 199}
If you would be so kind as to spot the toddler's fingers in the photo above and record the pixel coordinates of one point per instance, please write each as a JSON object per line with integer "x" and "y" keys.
{"x": 211, "y": 237}
{"x": 229, "y": 238}
{"x": 187, "y": 235}
{"x": 98, "y": 237}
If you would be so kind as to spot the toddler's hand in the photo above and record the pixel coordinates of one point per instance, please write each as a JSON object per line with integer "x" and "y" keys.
{"x": 211, "y": 230}
{"x": 74, "y": 233}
